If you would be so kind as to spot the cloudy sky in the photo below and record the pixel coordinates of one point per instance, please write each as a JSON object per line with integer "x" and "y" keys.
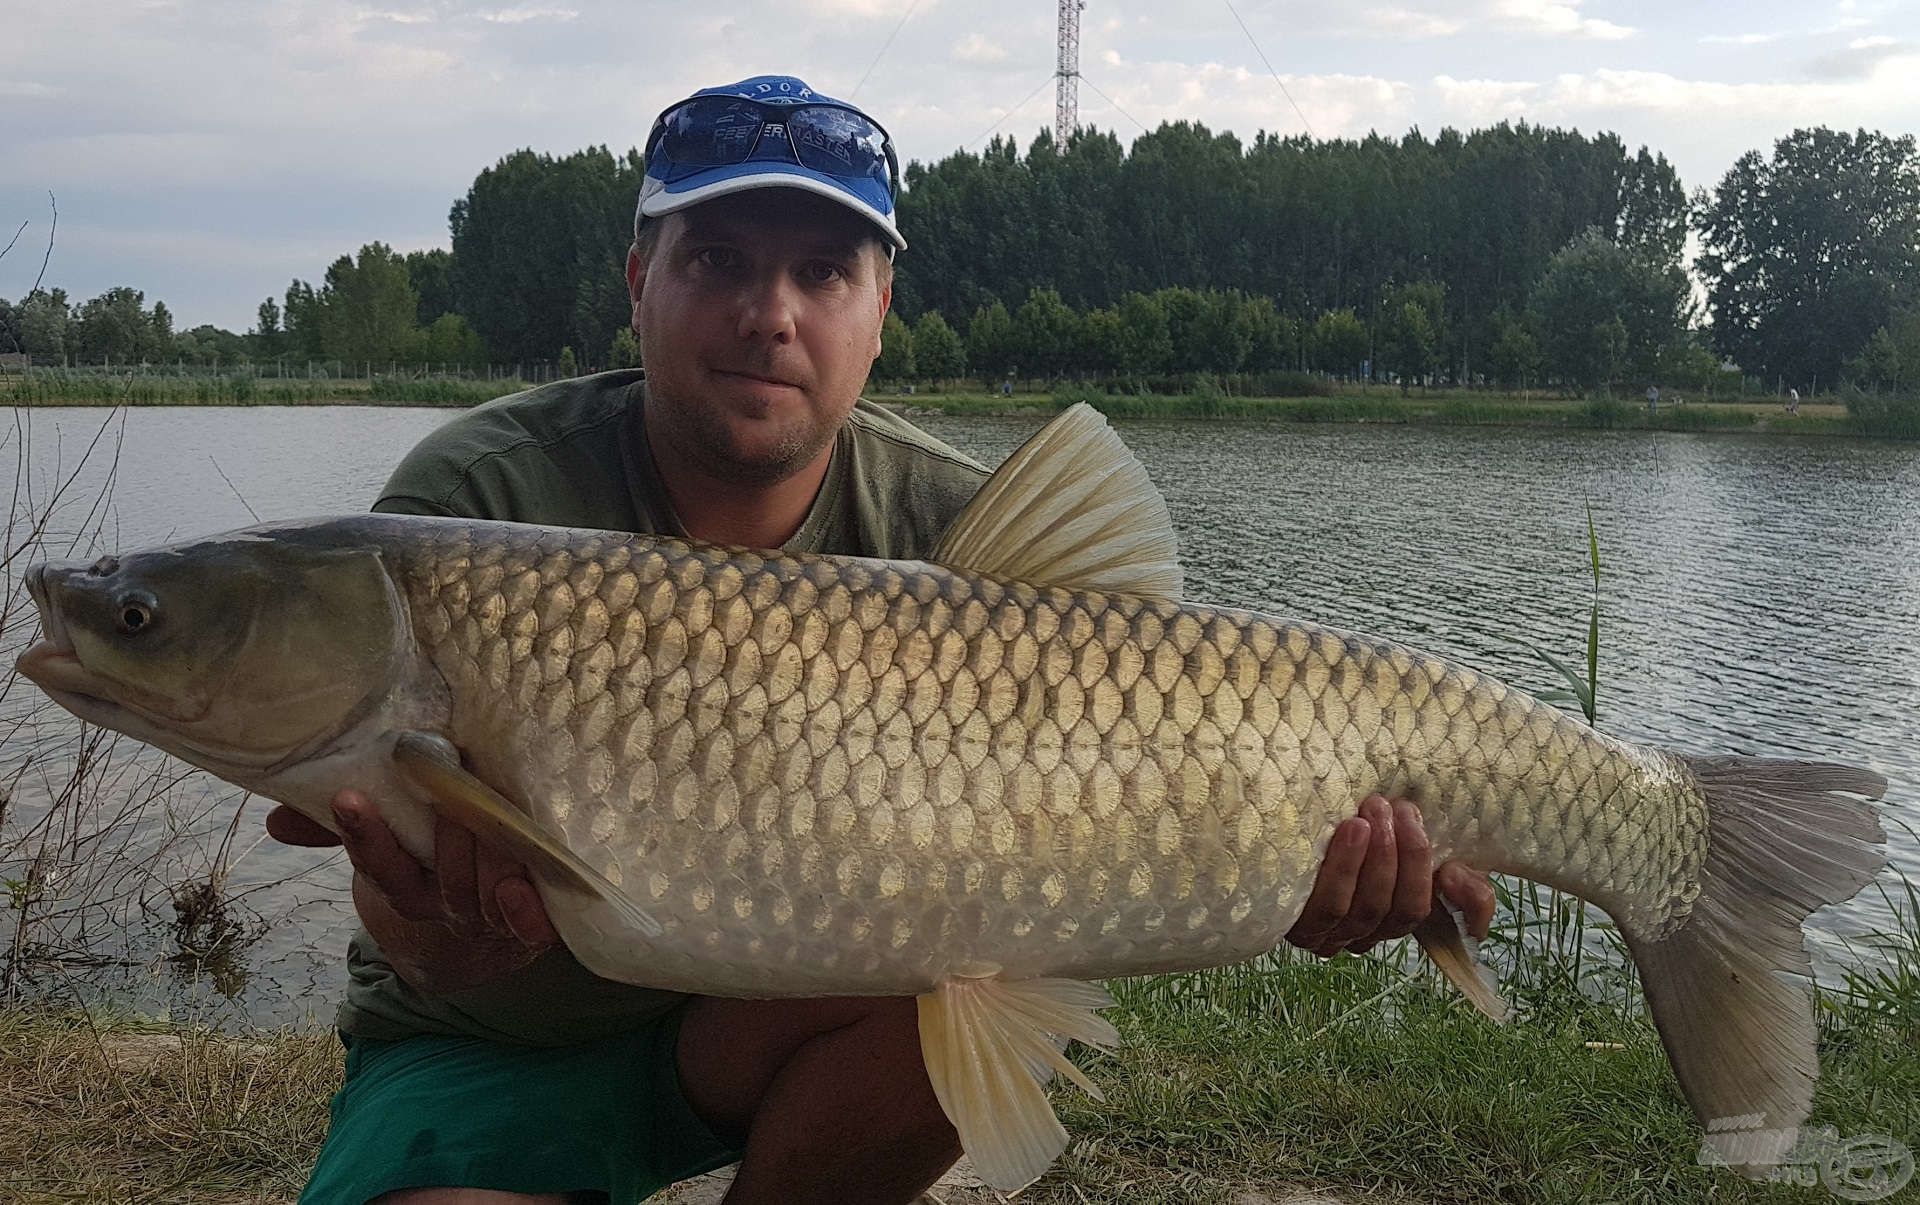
{"x": 206, "y": 151}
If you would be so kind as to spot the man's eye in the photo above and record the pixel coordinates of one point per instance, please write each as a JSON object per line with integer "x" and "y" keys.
{"x": 718, "y": 257}
{"x": 824, "y": 273}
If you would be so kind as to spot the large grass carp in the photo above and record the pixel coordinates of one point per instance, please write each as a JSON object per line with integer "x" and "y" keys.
{"x": 983, "y": 780}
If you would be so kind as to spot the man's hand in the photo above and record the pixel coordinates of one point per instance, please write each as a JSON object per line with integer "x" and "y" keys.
{"x": 1378, "y": 881}
{"x": 473, "y": 918}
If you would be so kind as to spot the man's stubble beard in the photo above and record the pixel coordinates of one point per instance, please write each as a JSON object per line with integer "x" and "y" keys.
{"x": 703, "y": 436}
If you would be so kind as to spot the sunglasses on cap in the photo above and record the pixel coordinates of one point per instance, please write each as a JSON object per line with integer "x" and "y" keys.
{"x": 719, "y": 131}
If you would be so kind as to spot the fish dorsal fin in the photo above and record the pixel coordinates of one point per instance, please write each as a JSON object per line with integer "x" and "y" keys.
{"x": 990, "y": 1046}
{"x": 1072, "y": 508}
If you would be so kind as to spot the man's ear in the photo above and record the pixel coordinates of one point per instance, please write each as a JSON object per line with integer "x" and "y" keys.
{"x": 636, "y": 272}
{"x": 886, "y": 303}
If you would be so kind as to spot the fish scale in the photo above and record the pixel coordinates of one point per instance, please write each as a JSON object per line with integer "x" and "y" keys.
{"x": 873, "y": 773}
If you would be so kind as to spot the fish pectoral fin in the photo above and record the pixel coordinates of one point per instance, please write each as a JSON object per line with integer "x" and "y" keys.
{"x": 430, "y": 765}
{"x": 1443, "y": 935}
{"x": 990, "y": 1046}
{"x": 1072, "y": 507}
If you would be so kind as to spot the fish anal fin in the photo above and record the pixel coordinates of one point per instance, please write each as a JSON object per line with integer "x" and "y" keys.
{"x": 430, "y": 766}
{"x": 990, "y": 1047}
{"x": 1072, "y": 507}
{"x": 1444, "y": 937}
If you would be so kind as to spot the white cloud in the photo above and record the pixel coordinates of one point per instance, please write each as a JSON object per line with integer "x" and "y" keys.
{"x": 1247, "y": 101}
{"x": 520, "y": 16}
{"x": 1408, "y": 23}
{"x": 863, "y": 8}
{"x": 1612, "y": 89}
{"x": 978, "y": 48}
{"x": 397, "y": 18}
{"x": 1477, "y": 102}
{"x": 1863, "y": 59}
{"x": 1740, "y": 39}
{"x": 1847, "y": 16}
{"x": 1559, "y": 18}
{"x": 26, "y": 88}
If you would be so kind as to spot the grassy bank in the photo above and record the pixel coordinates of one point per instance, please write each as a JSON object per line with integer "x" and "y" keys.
{"x": 1346, "y": 404}
{"x": 1451, "y": 408}
{"x": 1347, "y": 1077}
{"x": 53, "y": 387}
{"x": 126, "y": 1112}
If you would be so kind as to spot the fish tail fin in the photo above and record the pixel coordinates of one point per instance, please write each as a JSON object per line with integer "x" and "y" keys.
{"x": 1730, "y": 987}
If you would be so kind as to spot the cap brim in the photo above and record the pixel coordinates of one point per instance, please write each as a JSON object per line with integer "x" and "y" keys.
{"x": 657, "y": 200}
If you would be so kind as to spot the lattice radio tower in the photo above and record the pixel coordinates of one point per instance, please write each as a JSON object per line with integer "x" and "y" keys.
{"x": 1066, "y": 103}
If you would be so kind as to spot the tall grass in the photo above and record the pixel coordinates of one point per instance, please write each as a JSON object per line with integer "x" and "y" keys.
{"x": 439, "y": 391}
{"x": 62, "y": 387}
{"x": 1888, "y": 415}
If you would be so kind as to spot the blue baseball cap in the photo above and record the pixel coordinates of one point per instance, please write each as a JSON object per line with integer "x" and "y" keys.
{"x": 770, "y": 131}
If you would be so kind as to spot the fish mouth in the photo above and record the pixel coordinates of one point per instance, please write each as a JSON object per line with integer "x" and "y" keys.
{"x": 53, "y": 664}
{"x": 55, "y": 644}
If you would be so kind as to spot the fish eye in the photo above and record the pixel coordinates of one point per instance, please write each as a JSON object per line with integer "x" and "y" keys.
{"x": 133, "y": 613}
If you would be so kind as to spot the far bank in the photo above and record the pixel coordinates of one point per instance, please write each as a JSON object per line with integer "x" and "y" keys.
{"x": 1863, "y": 416}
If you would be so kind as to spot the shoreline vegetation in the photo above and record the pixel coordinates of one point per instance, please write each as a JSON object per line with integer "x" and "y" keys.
{"x": 1352, "y": 1078}
{"x": 1299, "y": 398}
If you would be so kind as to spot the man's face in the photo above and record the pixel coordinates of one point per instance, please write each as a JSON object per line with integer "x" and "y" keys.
{"x": 759, "y": 318}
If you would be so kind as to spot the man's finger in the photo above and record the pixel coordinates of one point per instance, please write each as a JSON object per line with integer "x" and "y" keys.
{"x": 454, "y": 872}
{"x": 491, "y": 868}
{"x": 1471, "y": 891}
{"x": 1413, "y": 888}
{"x": 1373, "y": 891}
{"x": 525, "y": 915}
{"x": 377, "y": 856}
{"x": 1333, "y": 886}
{"x": 291, "y": 828}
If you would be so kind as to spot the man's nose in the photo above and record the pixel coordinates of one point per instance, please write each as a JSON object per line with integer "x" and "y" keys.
{"x": 769, "y": 309}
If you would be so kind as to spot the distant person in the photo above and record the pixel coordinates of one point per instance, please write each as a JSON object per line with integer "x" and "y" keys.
{"x": 1653, "y": 399}
{"x": 1793, "y": 400}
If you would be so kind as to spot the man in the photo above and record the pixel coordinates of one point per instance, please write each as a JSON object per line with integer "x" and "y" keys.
{"x": 483, "y": 1063}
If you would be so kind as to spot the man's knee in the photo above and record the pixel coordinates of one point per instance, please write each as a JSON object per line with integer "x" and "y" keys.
{"x": 731, "y": 1051}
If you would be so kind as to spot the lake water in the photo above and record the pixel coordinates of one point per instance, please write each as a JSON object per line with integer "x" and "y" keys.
{"x": 1758, "y": 595}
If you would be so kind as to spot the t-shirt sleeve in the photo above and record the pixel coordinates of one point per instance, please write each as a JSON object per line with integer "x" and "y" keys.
{"x": 427, "y": 481}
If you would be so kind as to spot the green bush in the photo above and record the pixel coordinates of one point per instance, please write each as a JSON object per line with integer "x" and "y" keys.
{"x": 1888, "y": 415}
{"x": 1601, "y": 411}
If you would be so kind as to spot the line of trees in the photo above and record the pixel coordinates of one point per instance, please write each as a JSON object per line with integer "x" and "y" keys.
{"x": 1513, "y": 254}
{"x": 1600, "y": 313}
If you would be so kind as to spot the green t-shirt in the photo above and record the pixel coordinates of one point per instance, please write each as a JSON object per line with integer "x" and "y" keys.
{"x": 575, "y": 454}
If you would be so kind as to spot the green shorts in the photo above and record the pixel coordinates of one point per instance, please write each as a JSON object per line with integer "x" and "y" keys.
{"x": 602, "y": 1121}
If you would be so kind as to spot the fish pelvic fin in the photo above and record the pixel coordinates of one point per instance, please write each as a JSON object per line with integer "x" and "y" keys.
{"x": 991, "y": 1045}
{"x": 1730, "y": 988}
{"x": 430, "y": 766}
{"x": 1455, "y": 954}
{"x": 1072, "y": 507}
